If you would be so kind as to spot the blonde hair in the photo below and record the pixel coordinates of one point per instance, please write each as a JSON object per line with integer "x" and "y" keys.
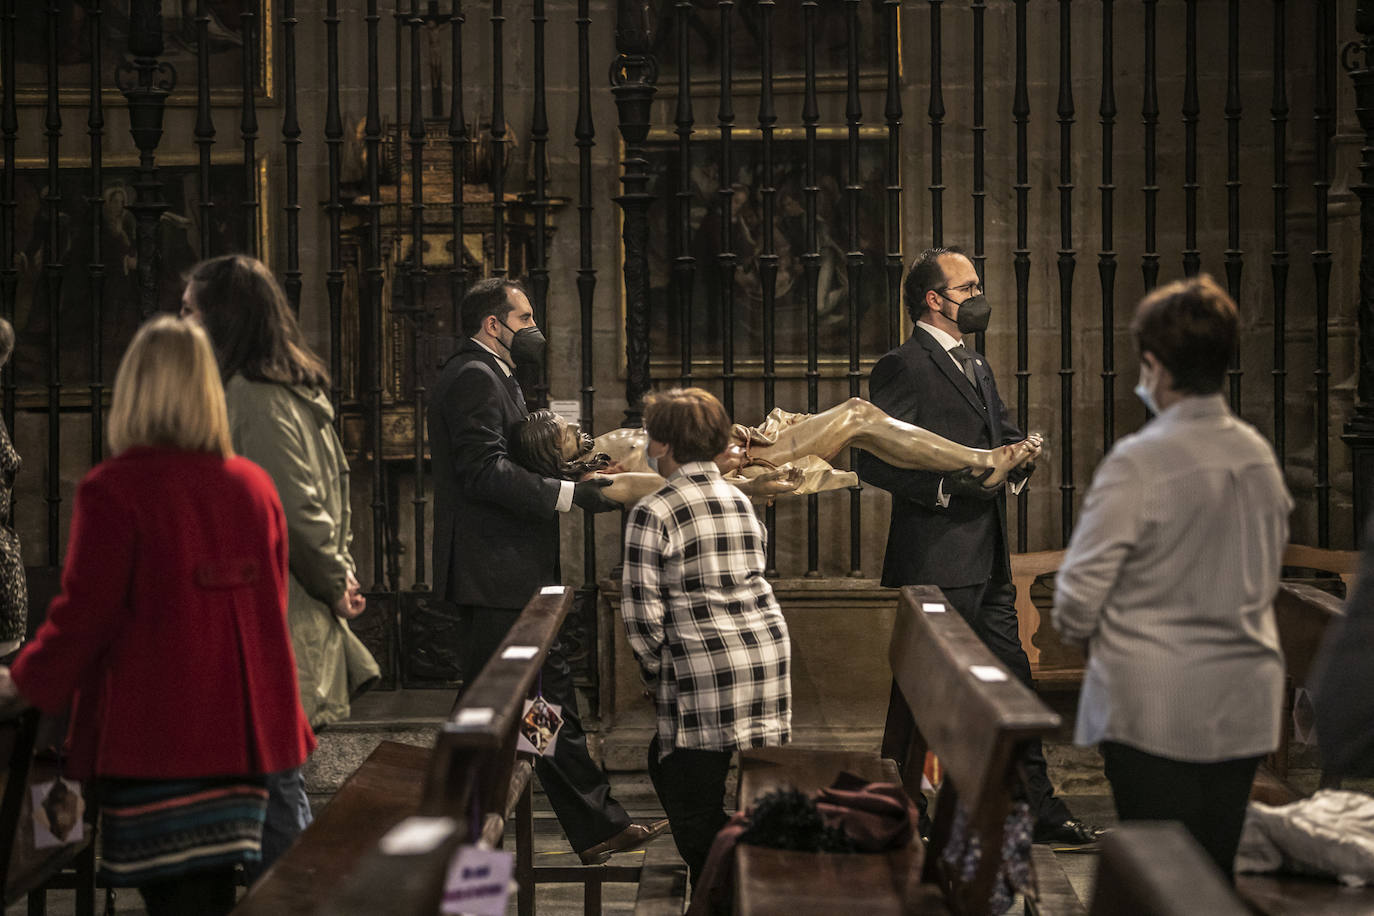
{"x": 168, "y": 393}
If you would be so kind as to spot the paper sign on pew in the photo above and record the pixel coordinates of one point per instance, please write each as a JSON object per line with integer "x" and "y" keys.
{"x": 478, "y": 882}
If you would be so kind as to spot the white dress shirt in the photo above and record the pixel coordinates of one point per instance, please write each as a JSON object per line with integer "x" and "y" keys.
{"x": 1170, "y": 579}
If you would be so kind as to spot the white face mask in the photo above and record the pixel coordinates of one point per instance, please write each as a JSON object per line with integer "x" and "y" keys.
{"x": 653, "y": 462}
{"x": 1142, "y": 391}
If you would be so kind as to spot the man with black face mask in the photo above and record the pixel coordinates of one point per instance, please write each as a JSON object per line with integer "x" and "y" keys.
{"x": 948, "y": 529}
{"x": 496, "y": 539}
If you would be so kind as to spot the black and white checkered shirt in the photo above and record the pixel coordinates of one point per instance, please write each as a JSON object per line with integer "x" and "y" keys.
{"x": 702, "y": 619}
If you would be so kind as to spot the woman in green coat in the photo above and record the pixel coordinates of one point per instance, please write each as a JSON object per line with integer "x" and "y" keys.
{"x": 281, "y": 418}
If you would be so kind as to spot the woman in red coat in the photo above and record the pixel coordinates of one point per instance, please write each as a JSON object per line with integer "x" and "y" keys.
{"x": 169, "y": 639}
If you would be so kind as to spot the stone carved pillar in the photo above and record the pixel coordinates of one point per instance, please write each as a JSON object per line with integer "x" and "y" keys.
{"x": 1357, "y": 58}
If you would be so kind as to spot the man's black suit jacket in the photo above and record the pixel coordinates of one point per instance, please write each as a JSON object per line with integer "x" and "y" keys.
{"x": 928, "y": 545}
{"x": 495, "y": 523}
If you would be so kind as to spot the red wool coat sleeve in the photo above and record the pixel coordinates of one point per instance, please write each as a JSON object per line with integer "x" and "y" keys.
{"x": 169, "y": 639}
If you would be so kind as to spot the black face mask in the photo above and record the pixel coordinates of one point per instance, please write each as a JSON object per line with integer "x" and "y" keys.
{"x": 974, "y": 314}
{"x": 527, "y": 346}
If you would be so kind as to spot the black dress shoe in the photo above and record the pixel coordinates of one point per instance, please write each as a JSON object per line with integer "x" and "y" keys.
{"x": 1071, "y": 832}
{"x": 632, "y": 837}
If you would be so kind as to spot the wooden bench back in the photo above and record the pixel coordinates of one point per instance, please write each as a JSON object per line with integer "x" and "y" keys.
{"x": 469, "y": 771}
{"x": 1156, "y": 868}
{"x": 1302, "y": 614}
{"x": 975, "y": 725}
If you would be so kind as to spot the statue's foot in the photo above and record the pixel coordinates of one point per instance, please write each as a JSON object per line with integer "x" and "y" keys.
{"x": 1007, "y": 458}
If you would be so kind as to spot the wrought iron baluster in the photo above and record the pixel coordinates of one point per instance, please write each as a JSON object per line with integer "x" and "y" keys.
{"x": 1323, "y": 121}
{"x": 457, "y": 143}
{"x": 539, "y": 142}
{"x": 1149, "y": 113}
{"x": 633, "y": 75}
{"x": 892, "y": 178}
{"x": 684, "y": 264}
{"x": 52, "y": 279}
{"x": 811, "y": 265}
{"x": 291, "y": 145}
{"x": 980, "y": 130}
{"x": 9, "y": 136}
{"x": 585, "y": 133}
{"x": 1234, "y": 257}
{"x": 936, "y": 112}
{"x": 854, "y": 259}
{"x": 95, "y": 268}
{"x": 768, "y": 258}
{"x": 333, "y": 141}
{"x": 372, "y": 138}
{"x": 146, "y": 84}
{"x": 248, "y": 128}
{"x": 1106, "y": 257}
{"x": 1067, "y": 261}
{"x": 418, "y": 279}
{"x": 1021, "y": 254}
{"x": 205, "y": 128}
{"x": 725, "y": 258}
{"x": 1192, "y": 258}
{"x": 498, "y": 138}
{"x": 1278, "y": 116}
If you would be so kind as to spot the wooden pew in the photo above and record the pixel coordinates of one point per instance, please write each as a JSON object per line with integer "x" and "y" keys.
{"x": 1156, "y": 868}
{"x": 337, "y": 865}
{"x": 1056, "y": 665}
{"x": 1303, "y": 613}
{"x": 938, "y": 703}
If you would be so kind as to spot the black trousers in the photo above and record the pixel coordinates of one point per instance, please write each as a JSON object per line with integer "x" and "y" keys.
{"x": 205, "y": 893}
{"x": 990, "y": 610}
{"x": 1209, "y": 798}
{"x": 691, "y": 787}
{"x": 577, "y": 788}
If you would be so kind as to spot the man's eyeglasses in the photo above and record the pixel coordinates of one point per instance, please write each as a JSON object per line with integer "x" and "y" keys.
{"x": 968, "y": 289}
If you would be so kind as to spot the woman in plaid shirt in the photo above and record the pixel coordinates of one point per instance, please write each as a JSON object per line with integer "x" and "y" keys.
{"x": 702, "y": 620}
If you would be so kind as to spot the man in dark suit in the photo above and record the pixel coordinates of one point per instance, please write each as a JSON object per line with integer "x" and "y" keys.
{"x": 496, "y": 538}
{"x": 948, "y": 529}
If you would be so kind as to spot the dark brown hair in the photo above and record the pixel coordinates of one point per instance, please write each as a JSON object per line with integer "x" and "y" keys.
{"x": 925, "y": 275}
{"x": 690, "y": 421}
{"x": 534, "y": 445}
{"x": 1191, "y": 327}
{"x": 486, "y": 297}
{"x": 250, "y": 323}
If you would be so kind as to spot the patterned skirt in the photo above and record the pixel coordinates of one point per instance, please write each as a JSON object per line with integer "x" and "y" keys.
{"x": 153, "y": 830}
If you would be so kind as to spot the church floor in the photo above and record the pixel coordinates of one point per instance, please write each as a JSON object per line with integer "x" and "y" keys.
{"x": 411, "y": 716}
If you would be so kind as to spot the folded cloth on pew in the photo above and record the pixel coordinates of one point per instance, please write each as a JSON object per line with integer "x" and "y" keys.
{"x": 852, "y": 815}
{"x": 152, "y": 830}
{"x": 1331, "y": 834}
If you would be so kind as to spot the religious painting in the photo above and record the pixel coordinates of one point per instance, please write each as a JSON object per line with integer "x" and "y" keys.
{"x": 789, "y": 43}
{"x": 180, "y": 39}
{"x": 705, "y": 239}
{"x": 120, "y": 314}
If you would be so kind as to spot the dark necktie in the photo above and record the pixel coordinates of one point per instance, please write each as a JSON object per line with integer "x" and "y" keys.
{"x": 965, "y": 357}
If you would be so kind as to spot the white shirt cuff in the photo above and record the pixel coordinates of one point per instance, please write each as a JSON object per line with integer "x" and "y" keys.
{"x": 941, "y": 497}
{"x": 1017, "y": 487}
{"x": 565, "y": 492}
